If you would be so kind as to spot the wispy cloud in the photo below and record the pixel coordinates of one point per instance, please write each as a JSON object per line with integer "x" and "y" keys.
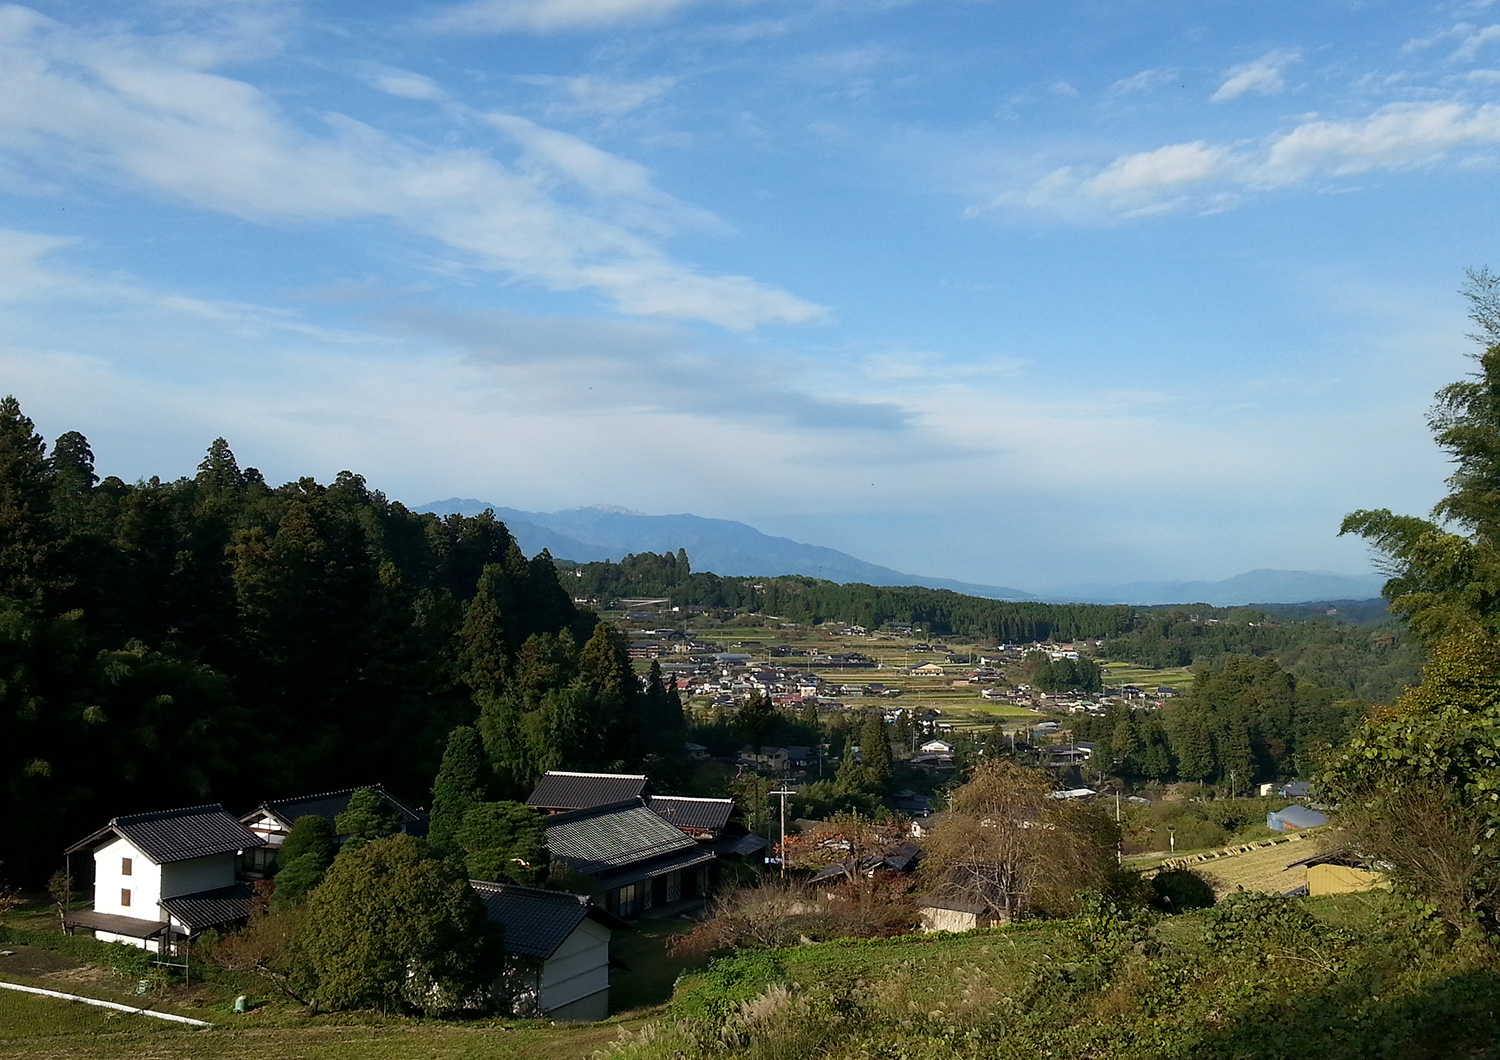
{"x": 549, "y": 16}
{"x": 1145, "y": 81}
{"x": 594, "y": 95}
{"x": 404, "y": 84}
{"x": 114, "y": 109}
{"x": 1208, "y": 176}
{"x": 1262, "y": 76}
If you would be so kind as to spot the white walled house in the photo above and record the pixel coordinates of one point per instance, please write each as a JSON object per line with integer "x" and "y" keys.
{"x": 164, "y": 876}
{"x": 556, "y": 947}
{"x": 272, "y": 820}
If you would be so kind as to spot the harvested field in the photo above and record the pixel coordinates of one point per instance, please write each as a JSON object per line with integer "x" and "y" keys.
{"x": 1254, "y": 866}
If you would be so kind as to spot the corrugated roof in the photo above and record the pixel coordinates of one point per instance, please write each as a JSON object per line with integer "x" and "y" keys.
{"x": 535, "y": 922}
{"x": 609, "y": 837}
{"x": 329, "y": 805}
{"x": 206, "y": 909}
{"x": 166, "y": 836}
{"x": 561, "y": 790}
{"x": 685, "y": 812}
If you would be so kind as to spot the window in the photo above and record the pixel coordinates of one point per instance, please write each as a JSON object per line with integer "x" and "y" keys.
{"x": 125, "y": 866}
{"x": 125, "y": 899}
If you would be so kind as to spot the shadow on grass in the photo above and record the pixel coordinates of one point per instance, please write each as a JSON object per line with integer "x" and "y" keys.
{"x": 649, "y": 970}
{"x": 1450, "y": 1016}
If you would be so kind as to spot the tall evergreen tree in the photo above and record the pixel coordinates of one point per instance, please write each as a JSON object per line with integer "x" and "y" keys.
{"x": 875, "y": 751}
{"x": 460, "y": 784}
{"x": 26, "y": 537}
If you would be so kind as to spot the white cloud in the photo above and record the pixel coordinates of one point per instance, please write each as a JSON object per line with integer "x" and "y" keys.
{"x": 1262, "y": 76}
{"x": 1145, "y": 81}
{"x": 1398, "y": 136}
{"x": 110, "y": 109}
{"x": 1474, "y": 41}
{"x": 1149, "y": 172}
{"x": 549, "y": 16}
{"x": 404, "y": 84}
{"x": 1211, "y": 177}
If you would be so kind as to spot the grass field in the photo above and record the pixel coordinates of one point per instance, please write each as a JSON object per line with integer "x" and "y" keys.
{"x": 1178, "y": 678}
{"x": 27, "y": 1016}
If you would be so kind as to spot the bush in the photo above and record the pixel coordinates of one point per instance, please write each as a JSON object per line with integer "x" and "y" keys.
{"x": 1178, "y": 890}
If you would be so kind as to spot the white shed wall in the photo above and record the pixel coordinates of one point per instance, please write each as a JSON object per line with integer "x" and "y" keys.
{"x": 579, "y": 969}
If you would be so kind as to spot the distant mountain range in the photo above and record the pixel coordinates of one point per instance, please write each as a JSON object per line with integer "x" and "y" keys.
{"x": 729, "y": 548}
{"x": 1257, "y": 586}
{"x": 586, "y": 535}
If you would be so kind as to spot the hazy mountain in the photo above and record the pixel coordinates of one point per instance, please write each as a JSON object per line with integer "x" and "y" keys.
{"x": 585, "y": 535}
{"x": 719, "y": 545}
{"x": 1257, "y": 586}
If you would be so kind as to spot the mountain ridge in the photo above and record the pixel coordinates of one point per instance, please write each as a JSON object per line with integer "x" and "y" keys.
{"x": 735, "y": 549}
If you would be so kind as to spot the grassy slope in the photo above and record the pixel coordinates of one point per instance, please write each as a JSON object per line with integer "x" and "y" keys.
{"x": 1351, "y": 981}
{"x": 1358, "y": 978}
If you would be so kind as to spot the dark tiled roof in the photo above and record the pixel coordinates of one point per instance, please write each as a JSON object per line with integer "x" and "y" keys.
{"x": 685, "y": 812}
{"x": 610, "y": 837}
{"x": 738, "y": 846}
{"x": 699, "y": 854}
{"x": 177, "y": 835}
{"x": 206, "y": 909}
{"x": 332, "y": 803}
{"x": 535, "y": 922}
{"x": 558, "y": 790}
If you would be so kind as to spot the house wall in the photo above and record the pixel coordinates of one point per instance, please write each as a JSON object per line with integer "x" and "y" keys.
{"x": 197, "y": 874}
{"x": 268, "y": 828}
{"x": 143, "y": 883}
{"x": 575, "y": 979}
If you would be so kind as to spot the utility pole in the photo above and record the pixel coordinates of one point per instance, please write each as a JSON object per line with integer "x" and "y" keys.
{"x": 781, "y": 850}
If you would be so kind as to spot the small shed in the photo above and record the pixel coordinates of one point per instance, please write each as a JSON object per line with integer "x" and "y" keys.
{"x": 1294, "y": 818}
{"x": 948, "y": 914}
{"x": 556, "y": 950}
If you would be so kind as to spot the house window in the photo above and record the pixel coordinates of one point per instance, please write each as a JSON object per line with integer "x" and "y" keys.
{"x": 125, "y": 899}
{"x": 125, "y": 866}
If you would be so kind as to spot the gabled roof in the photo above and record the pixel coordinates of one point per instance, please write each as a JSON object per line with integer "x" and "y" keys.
{"x": 328, "y": 806}
{"x": 560, "y": 790}
{"x": 166, "y": 836}
{"x": 535, "y": 922}
{"x": 610, "y": 837}
{"x": 685, "y": 812}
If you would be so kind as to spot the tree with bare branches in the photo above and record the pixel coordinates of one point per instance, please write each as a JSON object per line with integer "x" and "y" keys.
{"x": 1008, "y": 846}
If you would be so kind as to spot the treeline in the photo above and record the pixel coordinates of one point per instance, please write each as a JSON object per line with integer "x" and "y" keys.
{"x": 1244, "y": 716}
{"x": 796, "y": 598}
{"x": 1374, "y": 663}
{"x": 215, "y": 638}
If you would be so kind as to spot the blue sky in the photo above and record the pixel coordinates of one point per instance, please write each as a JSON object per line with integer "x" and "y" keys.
{"x": 1015, "y": 292}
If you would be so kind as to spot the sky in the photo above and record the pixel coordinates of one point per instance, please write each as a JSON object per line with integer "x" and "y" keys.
{"x": 1021, "y": 293}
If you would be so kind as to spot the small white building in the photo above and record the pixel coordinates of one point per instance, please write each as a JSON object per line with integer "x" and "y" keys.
{"x": 556, "y": 948}
{"x": 162, "y": 877}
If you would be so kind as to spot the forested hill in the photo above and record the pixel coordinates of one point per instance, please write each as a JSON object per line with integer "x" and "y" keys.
{"x": 1366, "y": 654}
{"x": 802, "y": 599}
{"x": 218, "y": 639}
